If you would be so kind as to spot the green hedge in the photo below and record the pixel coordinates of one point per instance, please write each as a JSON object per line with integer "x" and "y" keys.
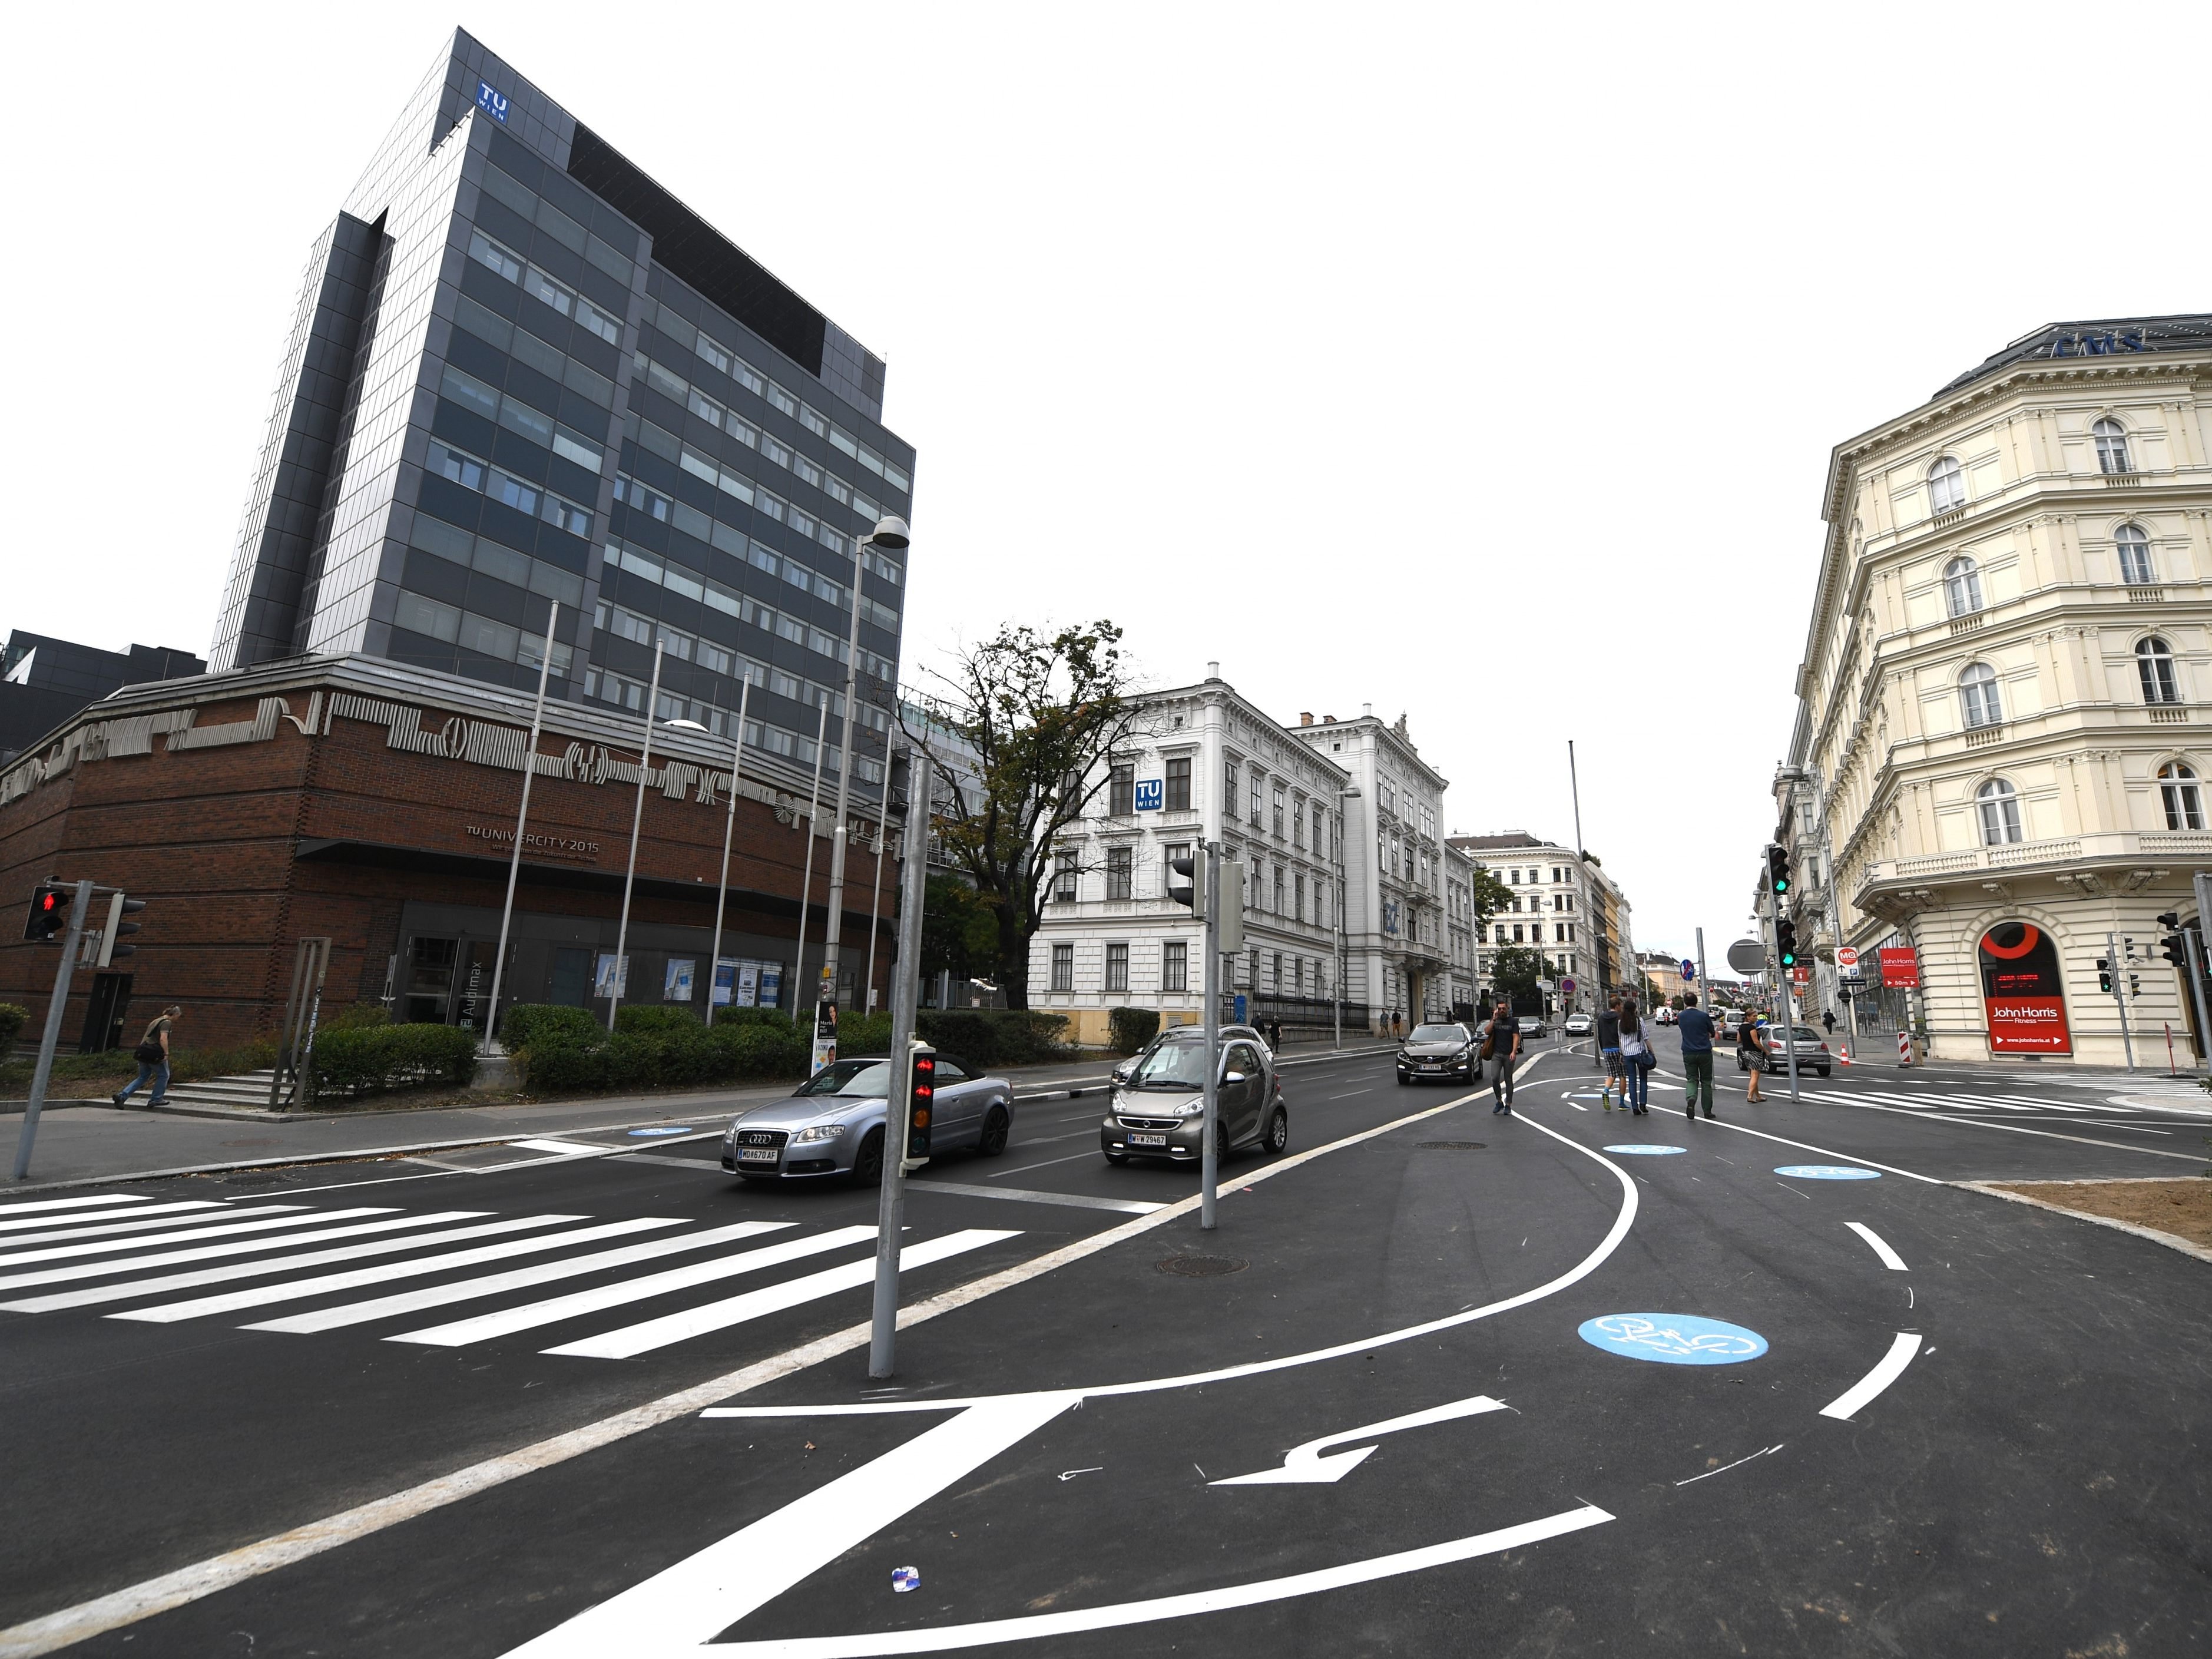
{"x": 364, "y": 1059}
{"x": 526, "y": 1023}
{"x": 639, "y": 1018}
{"x": 11, "y": 1025}
{"x": 994, "y": 1037}
{"x": 1131, "y": 1029}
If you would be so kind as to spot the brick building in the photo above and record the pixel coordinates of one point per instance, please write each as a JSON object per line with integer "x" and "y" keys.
{"x": 375, "y": 803}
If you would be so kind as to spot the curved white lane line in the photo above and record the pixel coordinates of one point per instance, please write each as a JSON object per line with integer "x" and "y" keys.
{"x": 1034, "y": 1626}
{"x": 1890, "y": 1259}
{"x": 1902, "y": 1350}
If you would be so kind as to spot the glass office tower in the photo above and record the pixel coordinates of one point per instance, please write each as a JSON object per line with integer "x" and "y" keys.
{"x": 522, "y": 373}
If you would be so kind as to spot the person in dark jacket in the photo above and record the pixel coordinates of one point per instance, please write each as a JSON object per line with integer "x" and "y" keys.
{"x": 1696, "y": 1026}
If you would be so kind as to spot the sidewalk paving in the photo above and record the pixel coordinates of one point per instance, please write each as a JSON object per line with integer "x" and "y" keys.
{"x": 85, "y": 1143}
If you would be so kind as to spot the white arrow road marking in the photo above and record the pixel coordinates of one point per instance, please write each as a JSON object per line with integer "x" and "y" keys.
{"x": 1306, "y": 1465}
{"x": 1862, "y": 1393}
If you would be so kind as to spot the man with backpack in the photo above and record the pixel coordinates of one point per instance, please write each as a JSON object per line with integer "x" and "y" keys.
{"x": 152, "y": 1054}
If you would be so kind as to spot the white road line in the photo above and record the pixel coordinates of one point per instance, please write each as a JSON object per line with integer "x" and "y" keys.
{"x": 631, "y": 1340}
{"x": 1043, "y": 1164}
{"x": 212, "y": 1212}
{"x": 72, "y": 1203}
{"x": 1807, "y": 1147}
{"x": 2019, "y": 1129}
{"x": 1846, "y": 1405}
{"x": 184, "y": 1236}
{"x": 1890, "y": 1259}
{"x": 1074, "y": 1201}
{"x": 469, "y": 1290}
{"x": 564, "y": 1148}
{"x": 1762, "y": 1452}
{"x": 240, "y": 1246}
{"x": 83, "y": 1216}
{"x": 131, "y": 1289}
{"x": 529, "y": 1316}
{"x": 294, "y": 1289}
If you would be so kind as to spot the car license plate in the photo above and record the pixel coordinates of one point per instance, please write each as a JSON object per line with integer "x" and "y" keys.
{"x": 757, "y": 1154}
{"x": 1432, "y": 1066}
{"x": 1148, "y": 1141}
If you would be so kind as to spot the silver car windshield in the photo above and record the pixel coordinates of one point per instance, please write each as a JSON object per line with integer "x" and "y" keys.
{"x": 1172, "y": 1065}
{"x": 868, "y": 1079}
{"x": 1438, "y": 1034}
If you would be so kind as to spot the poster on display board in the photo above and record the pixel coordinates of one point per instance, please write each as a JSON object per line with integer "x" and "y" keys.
{"x": 676, "y": 984}
{"x": 748, "y": 984}
{"x": 726, "y": 982}
{"x": 771, "y": 985}
{"x": 2021, "y": 992}
{"x": 603, "y": 981}
{"x": 1900, "y": 968}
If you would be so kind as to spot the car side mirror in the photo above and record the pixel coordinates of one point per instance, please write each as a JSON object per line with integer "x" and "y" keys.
{"x": 1234, "y": 1076}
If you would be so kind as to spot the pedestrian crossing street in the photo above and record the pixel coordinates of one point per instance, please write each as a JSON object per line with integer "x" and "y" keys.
{"x": 416, "y": 1277}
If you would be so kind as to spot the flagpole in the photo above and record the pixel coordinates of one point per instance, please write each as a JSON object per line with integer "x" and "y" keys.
{"x": 636, "y": 822}
{"x": 806, "y": 884}
{"x": 521, "y": 818}
{"x": 729, "y": 827}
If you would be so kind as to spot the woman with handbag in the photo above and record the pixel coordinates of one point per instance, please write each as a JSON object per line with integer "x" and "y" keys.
{"x": 1637, "y": 1057}
{"x": 1750, "y": 1053}
{"x": 152, "y": 1054}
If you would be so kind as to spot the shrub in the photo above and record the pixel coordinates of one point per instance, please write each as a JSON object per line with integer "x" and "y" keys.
{"x": 524, "y": 1023}
{"x": 12, "y": 1017}
{"x": 1132, "y": 1028}
{"x": 364, "y": 1059}
{"x": 994, "y": 1037}
{"x": 863, "y": 1034}
{"x": 357, "y": 1017}
{"x": 639, "y": 1017}
{"x": 680, "y": 1054}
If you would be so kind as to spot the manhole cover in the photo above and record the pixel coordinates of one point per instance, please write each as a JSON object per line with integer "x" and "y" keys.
{"x": 1448, "y": 1146}
{"x": 1201, "y": 1267}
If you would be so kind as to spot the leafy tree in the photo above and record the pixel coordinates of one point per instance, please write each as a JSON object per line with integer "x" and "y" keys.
{"x": 1515, "y": 969}
{"x": 1040, "y": 712}
{"x": 1487, "y": 895}
{"x": 959, "y": 933}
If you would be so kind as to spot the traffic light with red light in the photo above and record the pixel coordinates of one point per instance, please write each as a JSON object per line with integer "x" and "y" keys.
{"x": 50, "y": 910}
{"x": 921, "y": 1102}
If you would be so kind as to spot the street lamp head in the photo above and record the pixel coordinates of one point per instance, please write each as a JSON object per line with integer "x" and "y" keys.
{"x": 684, "y": 725}
{"x": 890, "y": 531}
{"x": 1350, "y": 792}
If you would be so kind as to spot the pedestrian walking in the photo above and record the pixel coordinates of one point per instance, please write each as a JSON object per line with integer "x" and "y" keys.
{"x": 152, "y": 1054}
{"x": 1751, "y": 1052}
{"x": 1697, "y": 1029}
{"x": 1503, "y": 1037}
{"x": 1637, "y": 1058}
{"x": 1828, "y": 1019}
{"x": 1609, "y": 1047}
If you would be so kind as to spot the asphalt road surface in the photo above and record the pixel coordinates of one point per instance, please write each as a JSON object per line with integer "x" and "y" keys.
{"x": 1441, "y": 1382}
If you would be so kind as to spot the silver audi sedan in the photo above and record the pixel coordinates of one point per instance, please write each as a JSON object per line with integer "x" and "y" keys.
{"x": 833, "y": 1126}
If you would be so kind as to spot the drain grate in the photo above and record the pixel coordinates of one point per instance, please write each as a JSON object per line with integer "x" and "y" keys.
{"x": 1201, "y": 1267}
{"x": 1448, "y": 1146}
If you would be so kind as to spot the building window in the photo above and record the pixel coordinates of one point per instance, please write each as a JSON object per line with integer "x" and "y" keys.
{"x": 1063, "y": 966}
{"x": 2177, "y": 786}
{"x": 1178, "y": 786}
{"x": 1119, "y": 861}
{"x": 1977, "y": 696}
{"x": 1117, "y": 967}
{"x": 1255, "y": 800}
{"x": 1121, "y": 792}
{"x": 1999, "y": 806}
{"x": 1516, "y": 933}
{"x": 1063, "y": 879}
{"x": 1229, "y": 789}
{"x": 2155, "y": 668}
{"x": 1175, "y": 966}
{"x": 1276, "y": 968}
{"x": 1299, "y": 896}
{"x": 2134, "y": 556}
{"x": 1277, "y": 821}
{"x": 1278, "y": 890}
{"x": 1947, "y": 485}
{"x": 1962, "y": 587}
{"x": 1298, "y": 823}
{"x": 2111, "y": 446}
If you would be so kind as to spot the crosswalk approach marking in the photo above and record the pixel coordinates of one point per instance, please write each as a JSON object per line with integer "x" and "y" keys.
{"x": 71, "y": 1203}
{"x": 231, "y": 1247}
{"x": 508, "y": 1320}
{"x": 83, "y": 1216}
{"x": 113, "y": 1228}
{"x": 192, "y": 1235}
{"x": 468, "y": 1290}
{"x": 353, "y": 1278}
{"x": 634, "y": 1340}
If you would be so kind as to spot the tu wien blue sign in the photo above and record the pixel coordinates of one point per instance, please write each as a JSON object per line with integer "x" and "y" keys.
{"x": 1152, "y": 794}
{"x": 493, "y": 104}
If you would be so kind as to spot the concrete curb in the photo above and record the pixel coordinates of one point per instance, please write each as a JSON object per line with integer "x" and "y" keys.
{"x": 2172, "y": 1242}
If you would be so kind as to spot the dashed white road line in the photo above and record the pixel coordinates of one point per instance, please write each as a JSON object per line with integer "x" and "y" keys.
{"x": 1890, "y": 1259}
{"x": 1902, "y": 1349}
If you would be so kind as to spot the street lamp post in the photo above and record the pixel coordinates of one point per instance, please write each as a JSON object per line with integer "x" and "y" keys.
{"x": 1350, "y": 792}
{"x": 891, "y": 533}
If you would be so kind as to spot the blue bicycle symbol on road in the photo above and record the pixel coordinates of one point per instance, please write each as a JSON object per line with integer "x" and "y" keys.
{"x": 1673, "y": 1339}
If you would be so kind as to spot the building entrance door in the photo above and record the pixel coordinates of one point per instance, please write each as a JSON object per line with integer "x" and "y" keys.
{"x": 572, "y": 977}
{"x": 430, "y": 970}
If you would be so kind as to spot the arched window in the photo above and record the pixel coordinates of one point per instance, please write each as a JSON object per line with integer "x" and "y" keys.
{"x": 2134, "y": 556}
{"x": 2176, "y": 788}
{"x": 1999, "y": 806}
{"x": 1962, "y": 587}
{"x": 1947, "y": 485}
{"x": 1977, "y": 696}
{"x": 2155, "y": 668}
{"x": 2111, "y": 445}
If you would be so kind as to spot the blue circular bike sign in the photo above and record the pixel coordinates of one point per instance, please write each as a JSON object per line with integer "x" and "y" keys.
{"x": 1827, "y": 1172}
{"x": 1673, "y": 1339}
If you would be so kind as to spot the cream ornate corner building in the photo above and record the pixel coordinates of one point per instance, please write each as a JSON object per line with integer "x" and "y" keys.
{"x": 2003, "y": 732}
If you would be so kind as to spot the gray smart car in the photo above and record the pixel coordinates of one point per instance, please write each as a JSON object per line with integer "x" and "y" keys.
{"x": 1126, "y": 1069}
{"x": 834, "y": 1124}
{"x": 1160, "y": 1111}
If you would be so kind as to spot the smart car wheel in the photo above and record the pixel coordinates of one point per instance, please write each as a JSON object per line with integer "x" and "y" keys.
{"x": 1279, "y": 1133}
{"x": 868, "y": 1162}
{"x": 995, "y": 1126}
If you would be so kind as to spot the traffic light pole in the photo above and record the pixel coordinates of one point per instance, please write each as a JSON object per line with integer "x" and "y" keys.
{"x": 906, "y": 993}
{"x": 1209, "y": 1158}
{"x": 44, "y": 1071}
{"x": 2193, "y": 944}
{"x": 2120, "y": 995}
{"x": 1785, "y": 1004}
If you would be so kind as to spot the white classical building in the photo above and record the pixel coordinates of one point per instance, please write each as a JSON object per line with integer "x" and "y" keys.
{"x": 2004, "y": 736}
{"x": 1560, "y": 904}
{"x": 1202, "y": 762}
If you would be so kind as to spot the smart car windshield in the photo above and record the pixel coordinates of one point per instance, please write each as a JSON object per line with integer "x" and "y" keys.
{"x": 1172, "y": 1065}
{"x": 867, "y": 1078}
{"x": 1438, "y": 1034}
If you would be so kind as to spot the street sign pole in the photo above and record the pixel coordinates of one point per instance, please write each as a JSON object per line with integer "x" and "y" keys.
{"x": 1785, "y": 1002}
{"x": 906, "y": 993}
{"x": 1209, "y": 1161}
{"x": 43, "y": 1072}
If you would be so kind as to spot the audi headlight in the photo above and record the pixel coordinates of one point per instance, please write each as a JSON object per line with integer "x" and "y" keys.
{"x": 820, "y": 1132}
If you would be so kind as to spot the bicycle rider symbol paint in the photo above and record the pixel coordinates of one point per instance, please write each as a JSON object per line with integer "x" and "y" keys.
{"x": 1673, "y": 1339}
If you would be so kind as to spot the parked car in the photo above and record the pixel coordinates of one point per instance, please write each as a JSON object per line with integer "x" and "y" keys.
{"x": 834, "y": 1124}
{"x": 1440, "y": 1051}
{"x": 1188, "y": 1033}
{"x": 1532, "y": 1025}
{"x": 1813, "y": 1053}
{"x": 1160, "y": 1112}
{"x": 1578, "y": 1025}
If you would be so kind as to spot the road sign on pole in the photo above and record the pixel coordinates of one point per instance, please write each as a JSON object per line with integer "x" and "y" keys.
{"x": 1847, "y": 962}
{"x": 1567, "y": 986}
{"x": 1747, "y": 956}
{"x": 1689, "y": 971}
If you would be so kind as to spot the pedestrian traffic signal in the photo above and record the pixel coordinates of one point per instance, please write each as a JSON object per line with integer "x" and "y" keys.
{"x": 2170, "y": 919}
{"x": 1186, "y": 882}
{"x": 1777, "y": 870}
{"x": 1785, "y": 940}
{"x": 50, "y": 910}
{"x": 2104, "y": 972}
{"x": 119, "y": 908}
{"x": 921, "y": 1099}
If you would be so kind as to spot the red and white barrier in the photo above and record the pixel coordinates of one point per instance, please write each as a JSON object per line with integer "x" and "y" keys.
{"x": 1905, "y": 1048}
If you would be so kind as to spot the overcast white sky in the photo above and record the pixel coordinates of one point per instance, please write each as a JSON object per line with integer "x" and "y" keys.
{"x": 1479, "y": 362}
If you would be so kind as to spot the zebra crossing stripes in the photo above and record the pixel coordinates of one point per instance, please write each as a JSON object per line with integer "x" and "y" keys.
{"x": 631, "y": 1341}
{"x": 113, "y": 1228}
{"x": 259, "y": 1221}
{"x": 296, "y": 1290}
{"x": 73, "y": 1203}
{"x": 461, "y": 1332}
{"x": 239, "y": 1247}
{"x": 19, "y": 1223}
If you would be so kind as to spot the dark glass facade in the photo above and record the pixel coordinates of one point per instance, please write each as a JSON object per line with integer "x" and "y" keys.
{"x": 522, "y": 375}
